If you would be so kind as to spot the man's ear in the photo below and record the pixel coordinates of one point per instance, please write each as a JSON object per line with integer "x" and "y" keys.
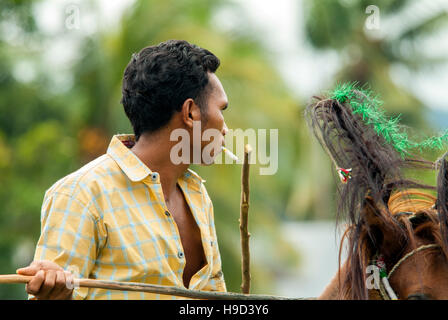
{"x": 190, "y": 112}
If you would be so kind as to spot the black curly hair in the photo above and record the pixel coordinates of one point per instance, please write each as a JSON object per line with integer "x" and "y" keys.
{"x": 160, "y": 78}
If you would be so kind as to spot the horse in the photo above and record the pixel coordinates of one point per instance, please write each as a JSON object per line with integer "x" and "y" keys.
{"x": 397, "y": 234}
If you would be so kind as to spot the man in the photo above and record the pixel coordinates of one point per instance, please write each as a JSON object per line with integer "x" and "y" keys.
{"x": 132, "y": 214}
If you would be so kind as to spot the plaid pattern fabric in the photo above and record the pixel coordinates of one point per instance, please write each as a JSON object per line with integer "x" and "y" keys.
{"x": 108, "y": 221}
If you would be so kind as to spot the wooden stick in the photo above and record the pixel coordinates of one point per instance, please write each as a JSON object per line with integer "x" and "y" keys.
{"x": 152, "y": 288}
{"x": 244, "y": 217}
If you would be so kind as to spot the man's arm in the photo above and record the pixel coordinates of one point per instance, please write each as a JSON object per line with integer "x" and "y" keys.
{"x": 69, "y": 240}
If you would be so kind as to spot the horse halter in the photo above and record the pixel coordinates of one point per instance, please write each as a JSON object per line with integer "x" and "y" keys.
{"x": 387, "y": 293}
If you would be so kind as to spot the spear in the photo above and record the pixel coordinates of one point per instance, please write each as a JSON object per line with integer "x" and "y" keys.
{"x": 152, "y": 288}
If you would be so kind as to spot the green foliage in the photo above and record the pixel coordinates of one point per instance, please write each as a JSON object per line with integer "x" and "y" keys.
{"x": 42, "y": 134}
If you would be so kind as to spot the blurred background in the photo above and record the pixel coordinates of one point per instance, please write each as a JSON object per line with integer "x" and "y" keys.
{"x": 61, "y": 64}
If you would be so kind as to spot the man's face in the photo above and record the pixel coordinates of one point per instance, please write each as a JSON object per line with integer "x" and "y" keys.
{"x": 214, "y": 118}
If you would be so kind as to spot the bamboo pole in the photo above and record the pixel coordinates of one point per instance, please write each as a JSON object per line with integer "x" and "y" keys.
{"x": 152, "y": 288}
{"x": 244, "y": 217}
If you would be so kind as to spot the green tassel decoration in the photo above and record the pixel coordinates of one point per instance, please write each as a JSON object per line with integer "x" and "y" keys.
{"x": 368, "y": 106}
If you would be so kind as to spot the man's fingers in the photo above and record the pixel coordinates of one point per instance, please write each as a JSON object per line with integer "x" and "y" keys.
{"x": 33, "y": 287}
{"x": 63, "y": 288}
{"x": 37, "y": 265}
{"x": 31, "y": 270}
{"x": 50, "y": 281}
{"x": 69, "y": 280}
{"x": 60, "y": 283}
{"x": 49, "y": 265}
{"x": 48, "y": 285}
{"x": 27, "y": 271}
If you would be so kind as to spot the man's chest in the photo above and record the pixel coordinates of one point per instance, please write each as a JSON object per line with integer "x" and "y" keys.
{"x": 189, "y": 233}
{"x": 185, "y": 221}
{"x": 145, "y": 232}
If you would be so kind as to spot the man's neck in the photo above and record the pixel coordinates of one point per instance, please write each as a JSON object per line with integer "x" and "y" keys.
{"x": 154, "y": 151}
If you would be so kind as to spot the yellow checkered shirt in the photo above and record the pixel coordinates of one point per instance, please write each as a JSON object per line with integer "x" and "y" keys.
{"x": 107, "y": 221}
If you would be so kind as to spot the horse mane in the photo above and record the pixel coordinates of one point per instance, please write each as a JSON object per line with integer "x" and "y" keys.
{"x": 377, "y": 192}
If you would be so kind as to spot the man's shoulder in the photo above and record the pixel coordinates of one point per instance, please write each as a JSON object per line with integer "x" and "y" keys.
{"x": 86, "y": 179}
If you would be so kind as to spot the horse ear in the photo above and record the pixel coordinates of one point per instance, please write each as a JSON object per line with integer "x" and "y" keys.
{"x": 442, "y": 198}
{"x": 382, "y": 230}
{"x": 354, "y": 144}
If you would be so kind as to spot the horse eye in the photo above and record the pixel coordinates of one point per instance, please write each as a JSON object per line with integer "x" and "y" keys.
{"x": 418, "y": 296}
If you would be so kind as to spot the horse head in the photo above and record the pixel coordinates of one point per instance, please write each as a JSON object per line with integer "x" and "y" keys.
{"x": 396, "y": 227}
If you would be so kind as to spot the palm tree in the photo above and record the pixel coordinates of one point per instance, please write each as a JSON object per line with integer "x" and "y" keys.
{"x": 369, "y": 41}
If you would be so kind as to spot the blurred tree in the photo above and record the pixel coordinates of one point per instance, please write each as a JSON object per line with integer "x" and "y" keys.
{"x": 47, "y": 132}
{"x": 367, "y": 53}
{"x": 35, "y": 147}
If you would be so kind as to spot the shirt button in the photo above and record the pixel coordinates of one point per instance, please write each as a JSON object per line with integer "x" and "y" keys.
{"x": 180, "y": 254}
{"x": 167, "y": 213}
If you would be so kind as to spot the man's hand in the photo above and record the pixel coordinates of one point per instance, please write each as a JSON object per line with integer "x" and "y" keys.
{"x": 49, "y": 281}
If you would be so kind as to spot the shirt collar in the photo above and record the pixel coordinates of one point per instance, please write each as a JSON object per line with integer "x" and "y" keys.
{"x": 132, "y": 166}
{"x": 190, "y": 174}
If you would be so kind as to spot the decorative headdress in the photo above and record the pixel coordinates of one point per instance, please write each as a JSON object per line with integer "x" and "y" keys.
{"x": 365, "y": 104}
{"x": 368, "y": 106}
{"x": 370, "y": 151}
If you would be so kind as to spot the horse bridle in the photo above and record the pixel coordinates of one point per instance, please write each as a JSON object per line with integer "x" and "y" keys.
{"x": 387, "y": 293}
